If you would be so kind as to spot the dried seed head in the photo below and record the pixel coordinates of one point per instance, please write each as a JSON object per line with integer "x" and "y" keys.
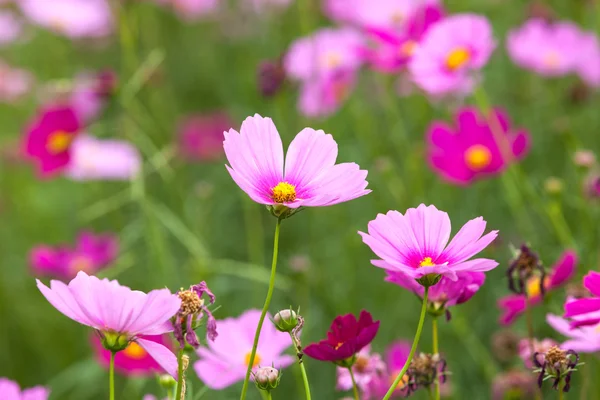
{"x": 424, "y": 369}
{"x": 554, "y": 355}
{"x": 190, "y": 303}
{"x": 505, "y": 345}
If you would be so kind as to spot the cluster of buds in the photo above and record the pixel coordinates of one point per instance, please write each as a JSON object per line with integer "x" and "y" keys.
{"x": 190, "y": 314}
{"x": 267, "y": 378}
{"x": 524, "y": 269}
{"x": 424, "y": 370}
{"x": 556, "y": 364}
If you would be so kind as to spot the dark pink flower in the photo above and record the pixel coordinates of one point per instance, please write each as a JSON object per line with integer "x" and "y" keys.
{"x": 346, "y": 337}
{"x": 134, "y": 360}
{"x": 201, "y": 136}
{"x": 48, "y": 140}
{"x": 587, "y": 305}
{"x": 513, "y": 305}
{"x": 90, "y": 254}
{"x": 469, "y": 151}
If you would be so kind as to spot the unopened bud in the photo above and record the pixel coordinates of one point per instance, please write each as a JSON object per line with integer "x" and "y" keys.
{"x": 584, "y": 158}
{"x": 267, "y": 378}
{"x": 553, "y": 185}
{"x": 166, "y": 381}
{"x": 285, "y": 320}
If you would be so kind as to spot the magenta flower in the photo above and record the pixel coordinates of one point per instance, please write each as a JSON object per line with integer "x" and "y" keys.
{"x": 10, "y": 27}
{"x": 584, "y": 339}
{"x": 134, "y": 360}
{"x": 11, "y": 391}
{"x": 368, "y": 366}
{"x": 311, "y": 177}
{"x": 225, "y": 360}
{"x": 450, "y": 53}
{"x": 324, "y": 96}
{"x": 539, "y": 346}
{"x": 94, "y": 159}
{"x": 581, "y": 307}
{"x": 118, "y": 314}
{"x": 49, "y": 138}
{"x": 469, "y": 151}
{"x": 346, "y": 337}
{"x": 513, "y": 305}
{"x": 14, "y": 84}
{"x": 416, "y": 243}
{"x": 91, "y": 254}
{"x": 201, "y": 136}
{"x": 396, "y": 355}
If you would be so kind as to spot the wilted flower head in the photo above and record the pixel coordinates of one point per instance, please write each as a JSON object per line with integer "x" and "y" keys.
{"x": 225, "y": 360}
{"x": 201, "y": 136}
{"x": 526, "y": 269}
{"x": 505, "y": 345}
{"x": 266, "y": 378}
{"x": 425, "y": 370}
{"x": 11, "y": 391}
{"x": 311, "y": 177}
{"x": 416, "y": 244}
{"x": 90, "y": 254}
{"x": 556, "y": 364}
{"x": 539, "y": 346}
{"x": 518, "y": 384}
{"x": 92, "y": 302}
{"x": 367, "y": 367}
{"x": 469, "y": 151}
{"x": 450, "y": 54}
{"x": 190, "y": 314}
{"x": 346, "y": 337}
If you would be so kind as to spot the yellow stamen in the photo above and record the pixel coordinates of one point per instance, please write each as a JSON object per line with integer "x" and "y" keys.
{"x": 59, "y": 142}
{"x": 283, "y": 193}
{"x": 457, "y": 58}
{"x": 135, "y": 351}
{"x": 408, "y": 48}
{"x": 332, "y": 60}
{"x": 427, "y": 262}
{"x": 478, "y": 157}
{"x": 80, "y": 263}
{"x": 403, "y": 382}
{"x": 533, "y": 288}
{"x": 337, "y": 346}
{"x": 256, "y": 359}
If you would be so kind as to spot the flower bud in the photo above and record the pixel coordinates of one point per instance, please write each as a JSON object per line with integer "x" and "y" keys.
{"x": 114, "y": 341}
{"x": 553, "y": 185}
{"x": 429, "y": 279}
{"x": 286, "y": 320}
{"x": 166, "y": 381}
{"x": 267, "y": 378}
{"x": 584, "y": 158}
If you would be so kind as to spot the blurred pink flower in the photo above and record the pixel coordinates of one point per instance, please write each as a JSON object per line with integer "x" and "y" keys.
{"x": 550, "y": 49}
{"x": 119, "y": 315}
{"x": 513, "y": 305}
{"x": 201, "y": 136}
{"x": 11, "y": 391}
{"x": 469, "y": 152}
{"x": 225, "y": 360}
{"x": 134, "y": 360}
{"x": 48, "y": 139}
{"x": 321, "y": 97}
{"x": 72, "y": 18}
{"x": 395, "y": 357}
{"x": 14, "y": 83}
{"x": 416, "y": 243}
{"x": 450, "y": 54}
{"x": 195, "y": 9}
{"x": 539, "y": 346}
{"x": 95, "y": 159}
{"x": 580, "y": 309}
{"x": 584, "y": 339}
{"x": 10, "y": 27}
{"x": 90, "y": 92}
{"x": 588, "y": 65}
{"x": 264, "y": 6}
{"x": 366, "y": 368}
{"x": 311, "y": 177}
{"x": 90, "y": 254}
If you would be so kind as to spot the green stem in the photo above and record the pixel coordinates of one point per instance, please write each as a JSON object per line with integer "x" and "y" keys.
{"x": 412, "y": 350}
{"x": 561, "y": 394}
{"x": 269, "y": 397}
{"x": 264, "y": 310}
{"x": 179, "y": 374}
{"x": 305, "y": 379}
{"x": 111, "y": 376}
{"x": 531, "y": 336}
{"x": 434, "y": 327}
{"x": 354, "y": 386}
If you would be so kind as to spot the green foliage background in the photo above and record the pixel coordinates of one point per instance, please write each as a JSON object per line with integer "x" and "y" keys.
{"x": 173, "y": 233}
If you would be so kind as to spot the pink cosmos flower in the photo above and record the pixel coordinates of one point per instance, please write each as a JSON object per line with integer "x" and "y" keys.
{"x": 10, "y": 27}
{"x": 416, "y": 243}
{"x": 95, "y": 159}
{"x": 225, "y": 360}
{"x": 587, "y": 305}
{"x": 201, "y": 136}
{"x": 469, "y": 151}
{"x": 14, "y": 83}
{"x": 550, "y": 49}
{"x": 450, "y": 52}
{"x": 91, "y": 254}
{"x": 134, "y": 360}
{"x": 90, "y": 93}
{"x": 311, "y": 177}
{"x": 194, "y": 9}
{"x": 588, "y": 65}
{"x": 11, "y": 391}
{"x": 396, "y": 356}
{"x": 49, "y": 138}
{"x": 513, "y": 305}
{"x": 539, "y": 346}
{"x": 324, "y": 96}
{"x": 366, "y": 368}
{"x": 585, "y": 338}
{"x": 119, "y": 315}
{"x": 72, "y": 18}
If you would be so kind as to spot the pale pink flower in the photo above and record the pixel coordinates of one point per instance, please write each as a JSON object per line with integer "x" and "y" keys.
{"x": 195, "y": 9}
{"x": 10, "y": 27}
{"x": 584, "y": 339}
{"x": 367, "y": 367}
{"x": 324, "y": 96}
{"x": 96, "y": 159}
{"x": 539, "y": 346}
{"x": 11, "y": 391}
{"x": 225, "y": 360}
{"x": 450, "y": 54}
{"x": 14, "y": 83}
{"x": 72, "y": 18}
{"x": 310, "y": 179}
{"x": 416, "y": 243}
{"x": 118, "y": 313}
{"x": 588, "y": 64}
{"x": 264, "y": 6}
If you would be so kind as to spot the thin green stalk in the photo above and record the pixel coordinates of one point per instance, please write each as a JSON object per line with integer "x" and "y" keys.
{"x": 434, "y": 327}
{"x": 269, "y": 397}
{"x": 111, "y": 376}
{"x": 354, "y": 386}
{"x": 179, "y": 374}
{"x": 412, "y": 350}
{"x": 264, "y": 310}
{"x": 561, "y": 394}
{"x": 305, "y": 380}
{"x": 531, "y": 336}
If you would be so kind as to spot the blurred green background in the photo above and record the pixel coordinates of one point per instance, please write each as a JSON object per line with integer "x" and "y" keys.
{"x": 183, "y": 222}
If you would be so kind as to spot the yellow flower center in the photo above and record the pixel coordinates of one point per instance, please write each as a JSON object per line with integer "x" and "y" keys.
{"x": 533, "y": 288}
{"x": 256, "y": 359}
{"x": 283, "y": 193}
{"x": 408, "y": 48}
{"x": 59, "y": 142}
{"x": 134, "y": 351}
{"x": 478, "y": 157}
{"x": 403, "y": 382}
{"x": 457, "y": 58}
{"x": 80, "y": 263}
{"x": 337, "y": 346}
{"x": 551, "y": 59}
{"x": 332, "y": 60}
{"x": 426, "y": 262}
{"x": 361, "y": 364}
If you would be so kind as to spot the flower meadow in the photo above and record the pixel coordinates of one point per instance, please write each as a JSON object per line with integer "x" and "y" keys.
{"x": 299, "y": 199}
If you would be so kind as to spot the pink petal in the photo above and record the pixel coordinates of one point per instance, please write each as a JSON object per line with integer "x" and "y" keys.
{"x": 592, "y": 282}
{"x": 431, "y": 227}
{"x": 61, "y": 298}
{"x": 468, "y": 242}
{"x": 217, "y": 374}
{"x": 476, "y": 265}
{"x": 581, "y": 306}
{"x": 159, "y": 306}
{"x": 582, "y": 345}
{"x": 559, "y": 324}
{"x": 162, "y": 355}
{"x": 564, "y": 268}
{"x": 310, "y": 154}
